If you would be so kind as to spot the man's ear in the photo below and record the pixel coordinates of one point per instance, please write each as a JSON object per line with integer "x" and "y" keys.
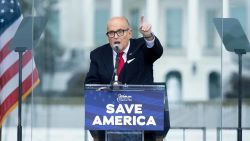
{"x": 130, "y": 33}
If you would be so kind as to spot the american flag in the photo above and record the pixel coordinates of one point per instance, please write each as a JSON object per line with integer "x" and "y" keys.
{"x": 10, "y": 19}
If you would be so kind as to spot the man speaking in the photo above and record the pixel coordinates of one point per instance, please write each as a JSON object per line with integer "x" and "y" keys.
{"x": 136, "y": 58}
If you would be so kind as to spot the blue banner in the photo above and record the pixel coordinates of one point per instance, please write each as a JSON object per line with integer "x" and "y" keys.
{"x": 124, "y": 109}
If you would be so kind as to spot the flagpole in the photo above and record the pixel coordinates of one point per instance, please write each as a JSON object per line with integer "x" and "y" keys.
{"x": 0, "y": 133}
{"x": 20, "y": 51}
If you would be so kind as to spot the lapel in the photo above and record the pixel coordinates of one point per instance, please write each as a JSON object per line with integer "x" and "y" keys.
{"x": 131, "y": 50}
{"x": 108, "y": 60}
{"x": 131, "y": 54}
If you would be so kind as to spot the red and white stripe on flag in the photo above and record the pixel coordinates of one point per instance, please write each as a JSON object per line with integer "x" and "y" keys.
{"x": 9, "y": 72}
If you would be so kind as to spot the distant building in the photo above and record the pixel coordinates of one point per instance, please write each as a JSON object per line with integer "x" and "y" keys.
{"x": 194, "y": 59}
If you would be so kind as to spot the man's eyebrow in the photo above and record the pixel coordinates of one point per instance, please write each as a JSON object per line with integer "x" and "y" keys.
{"x": 116, "y": 30}
{"x": 120, "y": 29}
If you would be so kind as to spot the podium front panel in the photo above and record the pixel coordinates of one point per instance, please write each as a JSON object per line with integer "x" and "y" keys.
{"x": 126, "y": 107}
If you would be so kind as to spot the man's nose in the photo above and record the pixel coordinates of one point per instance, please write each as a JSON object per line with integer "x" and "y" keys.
{"x": 116, "y": 35}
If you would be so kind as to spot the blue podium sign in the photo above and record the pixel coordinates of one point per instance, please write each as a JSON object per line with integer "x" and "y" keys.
{"x": 129, "y": 108}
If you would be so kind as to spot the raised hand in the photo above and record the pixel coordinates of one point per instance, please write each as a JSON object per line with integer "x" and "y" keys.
{"x": 145, "y": 28}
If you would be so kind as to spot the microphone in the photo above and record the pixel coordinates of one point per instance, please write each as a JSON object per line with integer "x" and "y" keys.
{"x": 116, "y": 46}
{"x": 116, "y": 49}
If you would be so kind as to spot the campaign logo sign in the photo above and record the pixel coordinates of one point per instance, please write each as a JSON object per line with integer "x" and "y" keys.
{"x": 124, "y": 97}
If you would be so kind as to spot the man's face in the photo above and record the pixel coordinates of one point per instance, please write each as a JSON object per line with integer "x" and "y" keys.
{"x": 118, "y": 30}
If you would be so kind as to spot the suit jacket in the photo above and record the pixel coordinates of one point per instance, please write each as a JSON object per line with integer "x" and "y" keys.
{"x": 137, "y": 71}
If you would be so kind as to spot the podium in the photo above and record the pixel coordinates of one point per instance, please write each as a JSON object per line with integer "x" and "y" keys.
{"x": 126, "y": 112}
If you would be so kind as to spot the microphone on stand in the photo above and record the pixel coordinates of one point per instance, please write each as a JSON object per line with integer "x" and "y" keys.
{"x": 116, "y": 49}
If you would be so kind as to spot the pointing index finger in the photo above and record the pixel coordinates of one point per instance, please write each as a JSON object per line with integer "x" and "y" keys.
{"x": 142, "y": 20}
